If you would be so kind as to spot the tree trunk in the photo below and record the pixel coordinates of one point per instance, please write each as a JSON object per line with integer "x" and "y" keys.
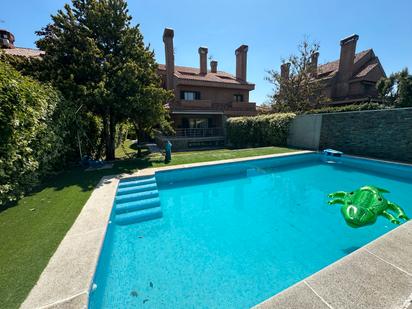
{"x": 139, "y": 139}
{"x": 109, "y": 128}
{"x": 110, "y": 155}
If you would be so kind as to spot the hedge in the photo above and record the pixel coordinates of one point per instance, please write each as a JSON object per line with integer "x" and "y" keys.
{"x": 348, "y": 108}
{"x": 30, "y": 142}
{"x": 262, "y": 130}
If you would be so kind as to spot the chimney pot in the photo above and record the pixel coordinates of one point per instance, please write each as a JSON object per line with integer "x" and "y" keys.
{"x": 213, "y": 66}
{"x": 6, "y": 39}
{"x": 350, "y": 39}
{"x": 203, "y": 59}
{"x": 314, "y": 63}
{"x": 284, "y": 70}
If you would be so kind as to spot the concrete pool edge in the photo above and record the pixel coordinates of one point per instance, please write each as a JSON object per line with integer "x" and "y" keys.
{"x": 66, "y": 280}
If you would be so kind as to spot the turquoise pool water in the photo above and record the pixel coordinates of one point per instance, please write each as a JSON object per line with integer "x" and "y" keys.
{"x": 234, "y": 235}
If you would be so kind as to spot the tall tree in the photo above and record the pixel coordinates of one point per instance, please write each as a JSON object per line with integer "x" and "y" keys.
{"x": 396, "y": 89}
{"x": 100, "y": 63}
{"x": 296, "y": 89}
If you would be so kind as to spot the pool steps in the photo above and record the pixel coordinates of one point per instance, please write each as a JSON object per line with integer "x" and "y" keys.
{"x": 138, "y": 205}
{"x": 137, "y": 200}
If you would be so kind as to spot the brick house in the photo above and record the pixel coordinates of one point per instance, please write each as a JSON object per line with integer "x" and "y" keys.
{"x": 350, "y": 79}
{"x": 204, "y": 98}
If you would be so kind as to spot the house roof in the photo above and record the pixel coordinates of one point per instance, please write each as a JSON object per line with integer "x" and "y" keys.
{"x": 369, "y": 67}
{"x": 190, "y": 73}
{"x": 329, "y": 69}
{"x": 23, "y": 52}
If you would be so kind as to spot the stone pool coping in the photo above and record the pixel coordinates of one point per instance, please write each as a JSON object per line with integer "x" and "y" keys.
{"x": 66, "y": 280}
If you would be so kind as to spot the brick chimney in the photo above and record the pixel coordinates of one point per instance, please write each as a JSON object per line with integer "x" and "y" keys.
{"x": 203, "y": 60}
{"x": 170, "y": 57}
{"x": 346, "y": 63}
{"x": 213, "y": 66}
{"x": 241, "y": 62}
{"x": 314, "y": 63}
{"x": 284, "y": 70}
{"x": 6, "y": 39}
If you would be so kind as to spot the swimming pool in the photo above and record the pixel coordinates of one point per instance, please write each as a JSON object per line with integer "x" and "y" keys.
{"x": 232, "y": 235}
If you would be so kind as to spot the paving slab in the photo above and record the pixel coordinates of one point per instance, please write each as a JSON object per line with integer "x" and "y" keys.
{"x": 299, "y": 296}
{"x": 76, "y": 302}
{"x": 361, "y": 280}
{"x": 68, "y": 271}
{"x": 96, "y": 211}
{"x": 395, "y": 247}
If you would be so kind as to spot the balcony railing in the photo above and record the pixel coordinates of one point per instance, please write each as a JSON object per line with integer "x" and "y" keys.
{"x": 199, "y": 132}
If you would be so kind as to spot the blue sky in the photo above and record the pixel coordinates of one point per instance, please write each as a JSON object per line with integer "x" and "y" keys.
{"x": 272, "y": 29}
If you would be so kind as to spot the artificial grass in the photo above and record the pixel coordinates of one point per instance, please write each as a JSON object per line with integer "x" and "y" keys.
{"x": 31, "y": 230}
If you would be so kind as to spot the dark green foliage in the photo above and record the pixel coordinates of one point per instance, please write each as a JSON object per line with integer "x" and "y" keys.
{"x": 100, "y": 63}
{"x": 348, "y": 108}
{"x": 25, "y": 65}
{"x": 396, "y": 89}
{"x": 31, "y": 130}
{"x": 263, "y": 130}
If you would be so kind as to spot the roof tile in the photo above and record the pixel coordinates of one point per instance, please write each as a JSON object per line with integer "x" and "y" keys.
{"x": 191, "y": 73}
{"x": 23, "y": 52}
{"x": 330, "y": 68}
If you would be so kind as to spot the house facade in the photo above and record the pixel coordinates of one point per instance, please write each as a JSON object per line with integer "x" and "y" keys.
{"x": 204, "y": 97}
{"x": 350, "y": 79}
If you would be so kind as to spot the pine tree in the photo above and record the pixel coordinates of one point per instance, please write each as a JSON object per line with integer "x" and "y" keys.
{"x": 100, "y": 63}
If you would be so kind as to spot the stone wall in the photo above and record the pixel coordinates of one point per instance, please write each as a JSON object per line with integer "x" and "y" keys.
{"x": 384, "y": 134}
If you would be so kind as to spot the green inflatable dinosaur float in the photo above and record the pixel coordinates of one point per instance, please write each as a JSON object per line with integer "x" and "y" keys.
{"x": 363, "y": 206}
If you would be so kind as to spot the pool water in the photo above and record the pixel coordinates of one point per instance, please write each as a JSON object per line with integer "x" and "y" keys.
{"x": 234, "y": 239}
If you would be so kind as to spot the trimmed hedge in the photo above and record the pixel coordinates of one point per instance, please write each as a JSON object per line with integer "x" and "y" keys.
{"x": 262, "y": 130}
{"x": 348, "y": 108}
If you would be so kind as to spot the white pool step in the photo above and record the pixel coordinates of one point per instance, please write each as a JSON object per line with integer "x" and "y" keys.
{"x": 137, "y": 196}
{"x": 137, "y": 205}
{"x": 136, "y": 189}
{"x": 137, "y": 200}
{"x": 136, "y": 182}
{"x": 139, "y": 216}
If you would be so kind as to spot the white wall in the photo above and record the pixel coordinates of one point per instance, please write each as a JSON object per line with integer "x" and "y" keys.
{"x": 304, "y": 132}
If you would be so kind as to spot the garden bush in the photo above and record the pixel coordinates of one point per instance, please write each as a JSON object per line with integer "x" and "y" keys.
{"x": 30, "y": 142}
{"x": 263, "y": 130}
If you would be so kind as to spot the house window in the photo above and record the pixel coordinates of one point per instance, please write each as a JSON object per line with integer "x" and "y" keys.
{"x": 238, "y": 97}
{"x": 190, "y": 95}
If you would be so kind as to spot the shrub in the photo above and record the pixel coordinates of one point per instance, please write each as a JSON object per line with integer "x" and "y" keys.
{"x": 263, "y": 130}
{"x": 348, "y": 108}
{"x": 30, "y": 142}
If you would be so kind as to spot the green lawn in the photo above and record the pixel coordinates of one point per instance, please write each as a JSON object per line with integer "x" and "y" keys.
{"x": 31, "y": 230}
